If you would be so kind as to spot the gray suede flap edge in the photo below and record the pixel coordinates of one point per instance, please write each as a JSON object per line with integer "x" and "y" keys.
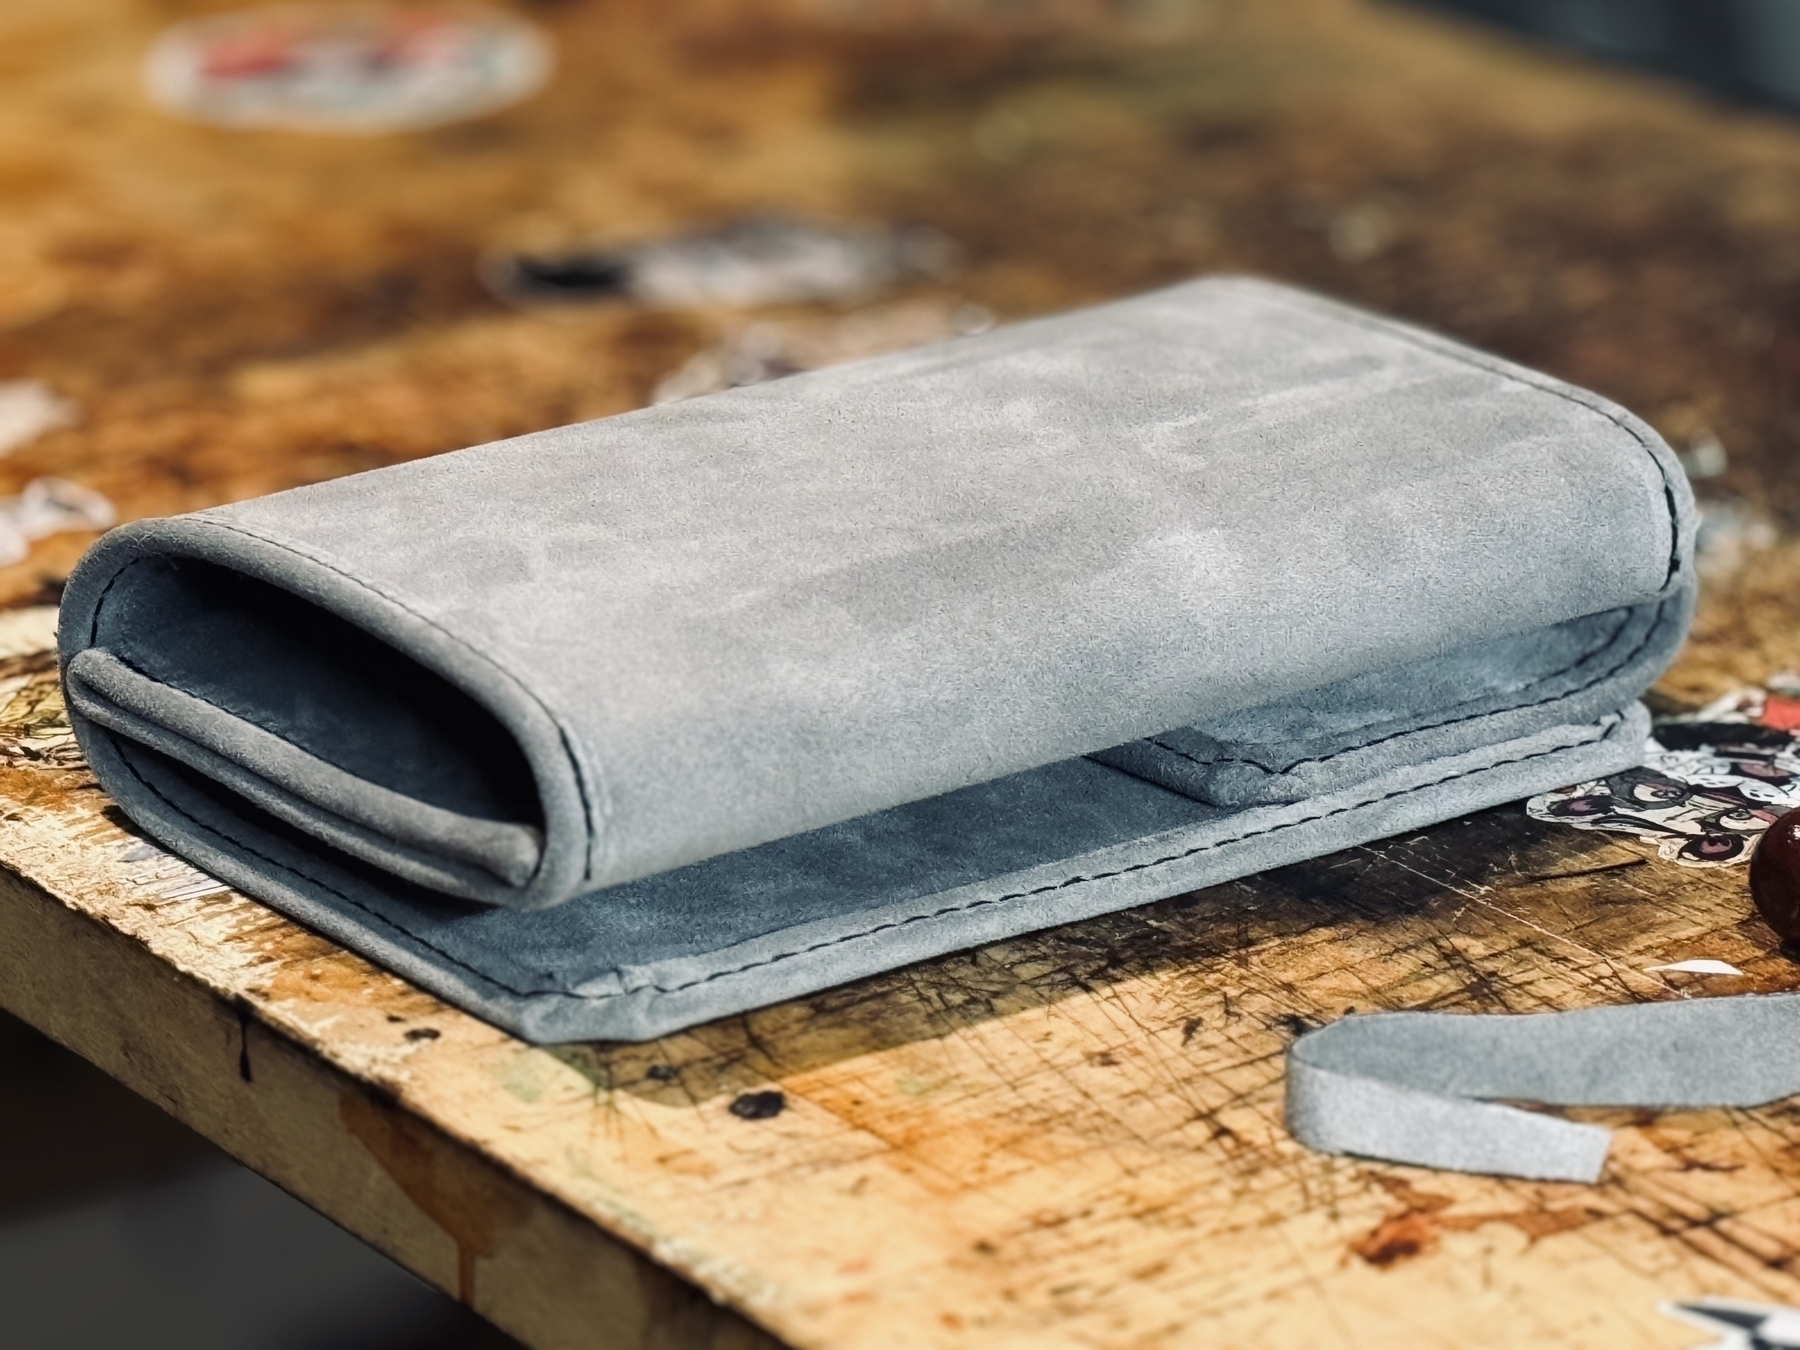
{"x": 577, "y": 991}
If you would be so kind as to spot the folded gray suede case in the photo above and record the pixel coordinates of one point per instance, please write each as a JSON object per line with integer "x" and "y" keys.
{"x": 612, "y": 729}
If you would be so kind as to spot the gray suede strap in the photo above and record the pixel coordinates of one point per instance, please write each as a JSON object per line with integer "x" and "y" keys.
{"x": 1421, "y": 1087}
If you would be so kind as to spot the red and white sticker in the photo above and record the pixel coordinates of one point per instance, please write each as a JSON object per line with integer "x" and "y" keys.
{"x": 346, "y": 68}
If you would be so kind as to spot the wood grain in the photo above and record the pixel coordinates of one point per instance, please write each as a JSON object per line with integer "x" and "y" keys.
{"x": 1069, "y": 1139}
{"x": 1072, "y": 1139}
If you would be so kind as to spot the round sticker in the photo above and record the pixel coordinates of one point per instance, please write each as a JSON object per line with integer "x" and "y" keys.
{"x": 364, "y": 68}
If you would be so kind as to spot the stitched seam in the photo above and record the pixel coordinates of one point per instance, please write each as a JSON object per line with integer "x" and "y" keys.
{"x": 93, "y": 638}
{"x": 1125, "y": 871}
{"x": 317, "y": 806}
{"x": 779, "y": 957}
{"x": 291, "y": 870}
{"x": 1601, "y": 678}
{"x": 562, "y": 732}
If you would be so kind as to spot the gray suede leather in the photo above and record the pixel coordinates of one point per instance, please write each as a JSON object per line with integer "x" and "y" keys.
{"x": 1416, "y": 1087}
{"x": 610, "y": 729}
{"x": 1345, "y": 732}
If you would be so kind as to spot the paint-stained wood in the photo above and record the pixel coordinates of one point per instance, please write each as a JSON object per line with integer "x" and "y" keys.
{"x": 1072, "y": 1139}
{"x": 1069, "y": 1139}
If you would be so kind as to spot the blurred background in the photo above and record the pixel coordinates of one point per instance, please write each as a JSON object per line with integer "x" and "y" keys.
{"x": 1747, "y": 48}
{"x": 120, "y": 1227}
{"x": 243, "y": 250}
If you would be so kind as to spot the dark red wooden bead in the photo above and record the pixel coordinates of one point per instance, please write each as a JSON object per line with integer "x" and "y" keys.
{"x": 1775, "y": 875}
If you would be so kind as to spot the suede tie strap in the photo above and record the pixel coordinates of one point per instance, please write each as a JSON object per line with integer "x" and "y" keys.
{"x": 1424, "y": 1088}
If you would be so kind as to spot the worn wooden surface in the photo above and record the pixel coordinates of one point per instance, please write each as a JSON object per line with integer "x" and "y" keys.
{"x": 1068, "y": 1140}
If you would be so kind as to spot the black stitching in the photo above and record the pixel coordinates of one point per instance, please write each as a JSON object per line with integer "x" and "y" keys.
{"x": 581, "y": 787}
{"x": 488, "y": 978}
{"x": 1454, "y": 351}
{"x": 197, "y": 823}
{"x": 1125, "y": 871}
{"x": 1601, "y": 678}
{"x": 93, "y": 638}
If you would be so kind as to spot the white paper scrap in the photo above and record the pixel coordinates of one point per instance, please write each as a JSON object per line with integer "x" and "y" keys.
{"x": 49, "y": 506}
{"x": 29, "y": 408}
{"x": 1698, "y": 966}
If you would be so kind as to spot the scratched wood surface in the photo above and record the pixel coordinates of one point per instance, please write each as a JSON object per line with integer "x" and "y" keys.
{"x": 1068, "y": 1140}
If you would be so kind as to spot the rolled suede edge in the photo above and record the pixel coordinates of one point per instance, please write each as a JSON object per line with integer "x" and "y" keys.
{"x": 568, "y": 789}
{"x": 1684, "y": 511}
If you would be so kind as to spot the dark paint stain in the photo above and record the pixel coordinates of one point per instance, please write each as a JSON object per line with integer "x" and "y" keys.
{"x": 758, "y": 1105}
{"x": 244, "y": 1019}
{"x": 1293, "y": 1024}
{"x": 423, "y": 1034}
{"x": 474, "y": 1204}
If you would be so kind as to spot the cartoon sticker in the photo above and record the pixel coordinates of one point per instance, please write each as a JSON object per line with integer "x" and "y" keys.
{"x": 1711, "y": 783}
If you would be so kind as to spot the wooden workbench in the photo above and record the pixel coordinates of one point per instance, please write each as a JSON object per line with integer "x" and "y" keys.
{"x": 1072, "y": 1139}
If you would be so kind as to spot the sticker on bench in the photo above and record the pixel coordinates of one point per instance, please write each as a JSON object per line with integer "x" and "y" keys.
{"x": 1711, "y": 782}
